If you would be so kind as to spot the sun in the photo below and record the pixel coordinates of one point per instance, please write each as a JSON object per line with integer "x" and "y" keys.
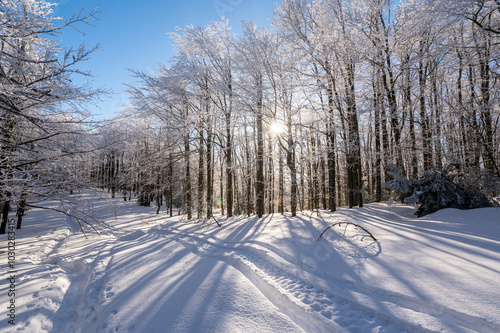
{"x": 276, "y": 127}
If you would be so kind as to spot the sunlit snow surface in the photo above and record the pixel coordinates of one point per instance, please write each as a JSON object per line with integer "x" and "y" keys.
{"x": 153, "y": 273}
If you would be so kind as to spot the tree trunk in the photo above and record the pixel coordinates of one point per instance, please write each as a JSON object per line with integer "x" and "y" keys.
{"x": 377, "y": 105}
{"x": 437, "y": 121}
{"x": 270, "y": 177}
{"x": 170, "y": 184}
{"x": 290, "y": 161}
{"x": 210, "y": 172}
{"x": 426, "y": 136}
{"x": 281, "y": 185}
{"x": 201, "y": 171}
{"x": 330, "y": 137}
{"x": 475, "y": 147}
{"x": 411, "y": 114}
{"x": 248, "y": 175}
{"x": 221, "y": 186}
{"x": 187, "y": 181}
{"x": 229, "y": 154}
{"x": 354, "y": 154}
{"x": 464, "y": 149}
{"x": 260, "y": 151}
{"x": 485, "y": 111}
{"x": 393, "y": 112}
{"x": 323, "y": 183}
{"x": 229, "y": 174}
{"x": 5, "y": 216}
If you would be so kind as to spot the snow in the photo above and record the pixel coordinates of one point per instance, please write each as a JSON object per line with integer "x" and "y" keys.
{"x": 155, "y": 273}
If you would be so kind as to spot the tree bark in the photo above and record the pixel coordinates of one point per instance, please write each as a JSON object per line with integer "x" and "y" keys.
{"x": 260, "y": 150}
{"x": 229, "y": 153}
{"x": 426, "y": 136}
{"x": 330, "y": 137}
{"x": 377, "y": 105}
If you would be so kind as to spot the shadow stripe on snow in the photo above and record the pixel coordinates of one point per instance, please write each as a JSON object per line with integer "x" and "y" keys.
{"x": 406, "y": 306}
{"x": 323, "y": 311}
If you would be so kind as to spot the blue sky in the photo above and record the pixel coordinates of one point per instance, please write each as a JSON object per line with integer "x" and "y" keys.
{"x": 133, "y": 35}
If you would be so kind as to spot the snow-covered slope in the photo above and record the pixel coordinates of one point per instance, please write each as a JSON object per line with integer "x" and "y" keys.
{"x": 153, "y": 273}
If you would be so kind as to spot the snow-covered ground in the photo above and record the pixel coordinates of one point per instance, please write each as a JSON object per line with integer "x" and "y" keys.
{"x": 153, "y": 273}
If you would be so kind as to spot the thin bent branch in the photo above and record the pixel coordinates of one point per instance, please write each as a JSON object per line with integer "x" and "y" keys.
{"x": 79, "y": 220}
{"x": 348, "y": 223}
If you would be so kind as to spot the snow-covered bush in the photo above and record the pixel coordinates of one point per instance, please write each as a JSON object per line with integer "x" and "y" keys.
{"x": 446, "y": 189}
{"x": 400, "y": 187}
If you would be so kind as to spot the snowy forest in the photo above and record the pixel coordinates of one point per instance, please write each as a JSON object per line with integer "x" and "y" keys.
{"x": 339, "y": 104}
{"x": 335, "y": 171}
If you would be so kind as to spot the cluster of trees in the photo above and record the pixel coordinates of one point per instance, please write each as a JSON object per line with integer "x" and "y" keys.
{"x": 339, "y": 98}
{"x": 41, "y": 124}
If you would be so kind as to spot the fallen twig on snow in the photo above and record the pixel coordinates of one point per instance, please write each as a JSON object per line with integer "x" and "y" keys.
{"x": 348, "y": 223}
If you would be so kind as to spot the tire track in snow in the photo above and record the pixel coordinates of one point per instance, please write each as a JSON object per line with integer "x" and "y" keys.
{"x": 278, "y": 271}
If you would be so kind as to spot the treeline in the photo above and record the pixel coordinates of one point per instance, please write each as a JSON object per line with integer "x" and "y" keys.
{"x": 338, "y": 99}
